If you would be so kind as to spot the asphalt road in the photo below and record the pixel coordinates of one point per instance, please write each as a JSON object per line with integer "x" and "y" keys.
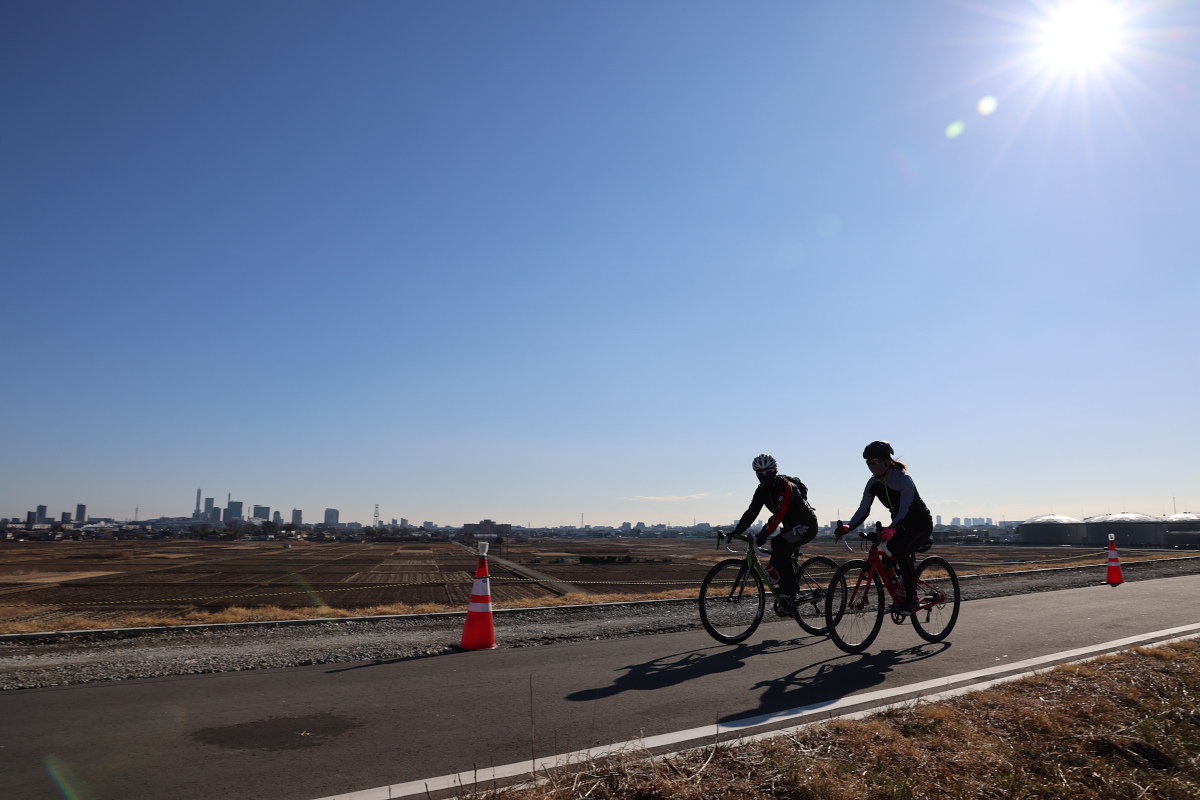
{"x": 311, "y": 732}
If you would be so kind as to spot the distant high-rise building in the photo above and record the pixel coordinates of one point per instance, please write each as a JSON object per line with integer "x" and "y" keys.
{"x": 297, "y": 517}
{"x": 208, "y": 507}
{"x": 277, "y": 518}
{"x": 956, "y": 522}
{"x": 30, "y": 519}
{"x": 41, "y": 515}
{"x": 233, "y": 511}
{"x": 403, "y": 522}
{"x": 488, "y": 528}
{"x": 428, "y": 526}
{"x": 939, "y": 519}
{"x": 81, "y": 513}
{"x": 331, "y": 516}
{"x": 66, "y": 516}
{"x": 625, "y": 526}
{"x": 196, "y": 513}
{"x": 262, "y": 512}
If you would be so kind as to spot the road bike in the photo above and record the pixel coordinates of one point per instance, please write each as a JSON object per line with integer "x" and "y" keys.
{"x": 854, "y": 604}
{"x": 734, "y": 593}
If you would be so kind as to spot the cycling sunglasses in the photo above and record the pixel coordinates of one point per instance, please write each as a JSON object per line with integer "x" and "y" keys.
{"x": 765, "y": 473}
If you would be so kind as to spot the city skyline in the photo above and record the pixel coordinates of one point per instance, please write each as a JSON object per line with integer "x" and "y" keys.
{"x": 44, "y": 514}
{"x": 528, "y": 262}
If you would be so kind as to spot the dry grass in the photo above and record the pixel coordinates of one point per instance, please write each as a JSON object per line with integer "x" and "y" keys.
{"x": 35, "y": 576}
{"x": 36, "y": 619}
{"x": 1125, "y": 726}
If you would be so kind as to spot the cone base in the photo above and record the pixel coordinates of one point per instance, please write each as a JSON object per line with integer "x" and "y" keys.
{"x": 479, "y": 632}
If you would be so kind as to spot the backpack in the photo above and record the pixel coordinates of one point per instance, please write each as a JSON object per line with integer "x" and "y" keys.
{"x": 799, "y": 485}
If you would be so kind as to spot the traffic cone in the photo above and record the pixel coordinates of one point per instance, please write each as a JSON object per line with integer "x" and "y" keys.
{"x": 480, "y": 633}
{"x": 1114, "y": 564}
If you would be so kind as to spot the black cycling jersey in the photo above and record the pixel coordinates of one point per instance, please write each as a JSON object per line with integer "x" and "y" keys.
{"x": 793, "y": 523}
{"x": 787, "y": 499}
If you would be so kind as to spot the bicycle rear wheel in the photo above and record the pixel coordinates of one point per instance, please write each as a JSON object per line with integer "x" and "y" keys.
{"x": 854, "y": 606}
{"x": 731, "y": 601}
{"x": 937, "y": 599}
{"x": 813, "y": 576}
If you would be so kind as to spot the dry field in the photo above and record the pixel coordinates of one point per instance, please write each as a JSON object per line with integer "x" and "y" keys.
{"x": 76, "y": 585}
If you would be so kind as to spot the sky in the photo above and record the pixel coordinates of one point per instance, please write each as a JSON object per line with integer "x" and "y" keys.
{"x": 546, "y": 263}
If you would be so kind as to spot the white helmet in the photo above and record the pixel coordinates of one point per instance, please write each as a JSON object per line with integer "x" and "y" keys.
{"x": 765, "y": 461}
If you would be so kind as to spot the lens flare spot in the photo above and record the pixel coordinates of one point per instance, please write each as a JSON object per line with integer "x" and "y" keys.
{"x": 986, "y": 105}
{"x": 908, "y": 163}
{"x": 64, "y": 778}
{"x": 955, "y": 129}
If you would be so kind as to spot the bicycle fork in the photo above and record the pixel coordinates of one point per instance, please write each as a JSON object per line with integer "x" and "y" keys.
{"x": 739, "y": 584}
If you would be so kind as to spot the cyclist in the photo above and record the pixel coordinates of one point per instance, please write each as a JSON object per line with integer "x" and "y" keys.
{"x": 911, "y": 523}
{"x": 793, "y": 522}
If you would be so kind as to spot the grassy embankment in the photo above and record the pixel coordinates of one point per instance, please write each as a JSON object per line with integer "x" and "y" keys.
{"x": 1123, "y": 726}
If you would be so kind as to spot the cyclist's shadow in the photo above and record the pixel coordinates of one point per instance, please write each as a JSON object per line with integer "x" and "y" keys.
{"x": 825, "y": 682}
{"x": 681, "y": 667}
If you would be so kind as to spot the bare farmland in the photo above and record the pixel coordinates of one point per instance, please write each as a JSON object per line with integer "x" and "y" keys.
{"x": 65, "y": 585}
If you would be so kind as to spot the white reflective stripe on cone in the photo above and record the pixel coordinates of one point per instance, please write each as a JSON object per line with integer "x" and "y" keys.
{"x": 480, "y": 607}
{"x": 480, "y": 587}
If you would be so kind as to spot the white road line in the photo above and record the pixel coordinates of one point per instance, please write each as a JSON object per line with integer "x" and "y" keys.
{"x": 826, "y": 710}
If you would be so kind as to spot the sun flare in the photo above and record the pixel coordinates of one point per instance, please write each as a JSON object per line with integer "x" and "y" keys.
{"x": 1081, "y": 35}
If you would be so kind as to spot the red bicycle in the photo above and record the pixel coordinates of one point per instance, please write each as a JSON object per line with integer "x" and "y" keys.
{"x": 854, "y": 603}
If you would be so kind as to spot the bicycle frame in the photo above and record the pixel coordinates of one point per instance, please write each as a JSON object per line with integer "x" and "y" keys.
{"x": 877, "y": 565}
{"x": 752, "y": 557}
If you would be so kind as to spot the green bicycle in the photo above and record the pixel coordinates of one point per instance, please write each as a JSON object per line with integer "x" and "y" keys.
{"x": 733, "y": 596}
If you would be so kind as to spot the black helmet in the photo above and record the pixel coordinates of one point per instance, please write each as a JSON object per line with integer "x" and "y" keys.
{"x": 878, "y": 449}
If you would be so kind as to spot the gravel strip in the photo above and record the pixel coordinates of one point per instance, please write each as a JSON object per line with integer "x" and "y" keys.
{"x": 88, "y": 657}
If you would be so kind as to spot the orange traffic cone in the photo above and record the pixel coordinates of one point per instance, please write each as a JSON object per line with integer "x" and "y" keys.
{"x": 479, "y": 633}
{"x": 1114, "y": 564}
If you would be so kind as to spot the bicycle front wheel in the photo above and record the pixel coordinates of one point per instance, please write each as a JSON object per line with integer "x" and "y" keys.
{"x": 731, "y": 601}
{"x": 937, "y": 599}
{"x": 854, "y": 606}
{"x": 813, "y": 576}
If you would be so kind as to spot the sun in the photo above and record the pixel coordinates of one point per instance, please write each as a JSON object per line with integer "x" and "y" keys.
{"x": 1081, "y": 35}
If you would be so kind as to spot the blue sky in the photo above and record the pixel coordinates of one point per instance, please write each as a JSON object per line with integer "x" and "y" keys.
{"x": 532, "y": 260}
